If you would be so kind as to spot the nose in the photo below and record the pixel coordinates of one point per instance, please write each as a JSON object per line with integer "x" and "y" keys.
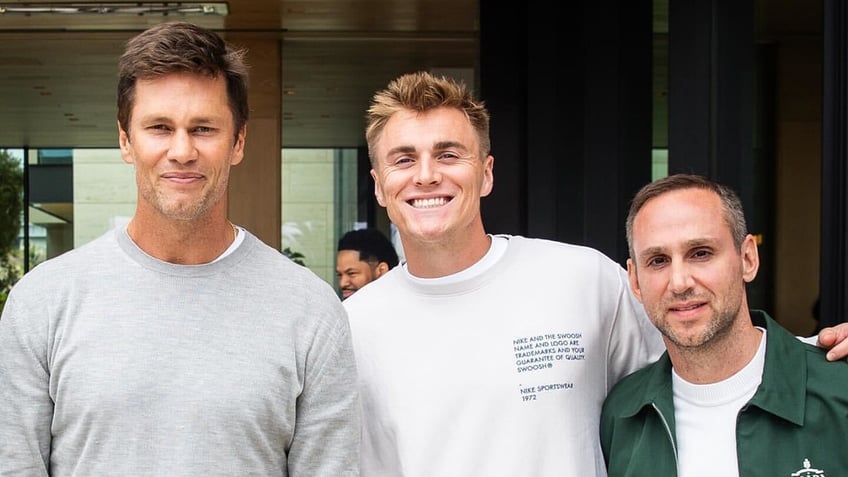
{"x": 428, "y": 172}
{"x": 680, "y": 280}
{"x": 182, "y": 148}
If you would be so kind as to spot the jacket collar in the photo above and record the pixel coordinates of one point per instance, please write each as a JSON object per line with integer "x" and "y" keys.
{"x": 782, "y": 391}
{"x": 656, "y": 390}
{"x": 784, "y": 386}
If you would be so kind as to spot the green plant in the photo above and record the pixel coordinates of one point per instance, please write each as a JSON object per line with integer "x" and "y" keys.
{"x": 296, "y": 257}
{"x": 11, "y": 209}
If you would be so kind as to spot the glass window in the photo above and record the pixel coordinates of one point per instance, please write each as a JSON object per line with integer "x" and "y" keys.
{"x": 319, "y": 204}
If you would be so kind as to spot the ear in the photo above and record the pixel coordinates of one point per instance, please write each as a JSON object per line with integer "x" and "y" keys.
{"x": 378, "y": 189}
{"x": 381, "y": 268}
{"x": 633, "y": 279}
{"x": 750, "y": 258}
{"x": 125, "y": 146}
{"x": 238, "y": 148}
{"x": 488, "y": 176}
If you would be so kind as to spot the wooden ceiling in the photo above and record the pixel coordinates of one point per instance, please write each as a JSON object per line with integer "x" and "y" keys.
{"x": 58, "y": 72}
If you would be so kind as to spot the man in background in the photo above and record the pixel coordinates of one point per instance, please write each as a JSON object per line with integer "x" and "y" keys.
{"x": 363, "y": 256}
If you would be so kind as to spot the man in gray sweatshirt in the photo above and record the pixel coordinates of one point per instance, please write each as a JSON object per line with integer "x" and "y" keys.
{"x": 180, "y": 344}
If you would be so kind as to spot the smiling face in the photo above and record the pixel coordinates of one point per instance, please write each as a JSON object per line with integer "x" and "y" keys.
{"x": 686, "y": 270}
{"x": 180, "y": 141}
{"x": 429, "y": 175}
{"x": 354, "y": 273}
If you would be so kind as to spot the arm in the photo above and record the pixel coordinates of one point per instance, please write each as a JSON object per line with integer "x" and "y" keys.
{"x": 26, "y": 408}
{"x": 327, "y": 432}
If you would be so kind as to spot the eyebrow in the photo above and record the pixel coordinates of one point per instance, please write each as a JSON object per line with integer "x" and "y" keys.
{"x": 166, "y": 119}
{"x": 400, "y": 150}
{"x": 650, "y": 252}
{"x": 442, "y": 145}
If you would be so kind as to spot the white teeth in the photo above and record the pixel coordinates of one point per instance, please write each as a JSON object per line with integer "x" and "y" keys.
{"x": 427, "y": 203}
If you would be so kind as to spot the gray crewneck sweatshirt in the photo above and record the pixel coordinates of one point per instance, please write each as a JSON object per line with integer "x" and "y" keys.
{"x": 116, "y": 363}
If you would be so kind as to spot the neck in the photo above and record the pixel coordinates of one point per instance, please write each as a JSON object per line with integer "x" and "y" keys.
{"x": 182, "y": 242}
{"x": 443, "y": 258}
{"x": 719, "y": 359}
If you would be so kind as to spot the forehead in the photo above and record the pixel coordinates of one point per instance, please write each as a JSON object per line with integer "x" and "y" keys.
{"x": 349, "y": 258}
{"x": 180, "y": 91}
{"x": 681, "y": 215}
{"x": 421, "y": 130}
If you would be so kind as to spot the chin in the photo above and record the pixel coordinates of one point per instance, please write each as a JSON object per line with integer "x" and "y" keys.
{"x": 688, "y": 339}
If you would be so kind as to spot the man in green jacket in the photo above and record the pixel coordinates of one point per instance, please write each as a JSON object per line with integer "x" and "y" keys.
{"x": 735, "y": 393}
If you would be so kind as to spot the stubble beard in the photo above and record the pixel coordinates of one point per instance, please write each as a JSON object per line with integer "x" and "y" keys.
{"x": 719, "y": 324}
{"x": 184, "y": 208}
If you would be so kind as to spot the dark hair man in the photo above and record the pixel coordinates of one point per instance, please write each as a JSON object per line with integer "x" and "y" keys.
{"x": 363, "y": 256}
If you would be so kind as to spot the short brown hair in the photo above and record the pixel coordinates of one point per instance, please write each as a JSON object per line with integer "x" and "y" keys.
{"x": 173, "y": 47}
{"x": 734, "y": 216}
{"x": 421, "y": 92}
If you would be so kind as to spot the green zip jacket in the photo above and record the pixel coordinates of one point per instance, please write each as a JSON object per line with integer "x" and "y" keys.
{"x": 795, "y": 425}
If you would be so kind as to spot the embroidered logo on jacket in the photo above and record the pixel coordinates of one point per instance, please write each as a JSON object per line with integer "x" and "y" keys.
{"x": 807, "y": 471}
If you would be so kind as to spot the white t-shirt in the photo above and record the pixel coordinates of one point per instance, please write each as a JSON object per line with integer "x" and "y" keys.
{"x": 705, "y": 419}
